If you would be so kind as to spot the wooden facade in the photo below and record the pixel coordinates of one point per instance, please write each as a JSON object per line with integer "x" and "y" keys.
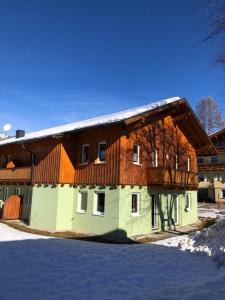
{"x": 58, "y": 160}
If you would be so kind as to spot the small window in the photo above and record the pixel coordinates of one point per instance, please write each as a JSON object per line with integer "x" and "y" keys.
{"x": 6, "y": 193}
{"x": 202, "y": 177}
{"x": 188, "y": 202}
{"x": 82, "y": 202}
{"x": 135, "y": 204}
{"x": 188, "y": 164}
{"x": 176, "y": 162}
{"x": 18, "y": 191}
{"x": 223, "y": 193}
{"x": 85, "y": 154}
{"x": 102, "y": 152}
{"x": 3, "y": 161}
{"x": 154, "y": 156}
{"x": 136, "y": 154}
{"x": 200, "y": 160}
{"x": 29, "y": 197}
{"x": 214, "y": 159}
{"x": 99, "y": 207}
{"x": 9, "y": 158}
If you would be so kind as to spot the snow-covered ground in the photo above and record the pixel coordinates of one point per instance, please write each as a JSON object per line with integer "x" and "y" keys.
{"x": 35, "y": 267}
{"x": 210, "y": 213}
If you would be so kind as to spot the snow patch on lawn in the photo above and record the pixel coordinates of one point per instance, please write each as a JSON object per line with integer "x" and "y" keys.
{"x": 210, "y": 241}
{"x": 211, "y": 213}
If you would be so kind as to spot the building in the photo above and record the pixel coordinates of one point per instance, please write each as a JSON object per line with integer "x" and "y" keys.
{"x": 123, "y": 174}
{"x": 212, "y": 171}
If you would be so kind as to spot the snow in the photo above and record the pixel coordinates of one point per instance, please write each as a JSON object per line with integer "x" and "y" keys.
{"x": 210, "y": 213}
{"x": 210, "y": 241}
{"x": 107, "y": 119}
{"x": 35, "y": 267}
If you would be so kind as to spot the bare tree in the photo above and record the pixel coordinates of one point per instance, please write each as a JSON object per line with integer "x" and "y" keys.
{"x": 215, "y": 30}
{"x": 209, "y": 114}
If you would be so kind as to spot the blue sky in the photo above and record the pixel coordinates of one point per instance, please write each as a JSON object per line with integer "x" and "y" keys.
{"x": 63, "y": 61}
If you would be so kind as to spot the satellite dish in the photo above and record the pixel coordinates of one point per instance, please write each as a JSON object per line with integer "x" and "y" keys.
{"x": 7, "y": 127}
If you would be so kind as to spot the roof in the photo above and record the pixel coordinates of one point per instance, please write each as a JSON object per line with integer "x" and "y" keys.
{"x": 102, "y": 120}
{"x": 216, "y": 133}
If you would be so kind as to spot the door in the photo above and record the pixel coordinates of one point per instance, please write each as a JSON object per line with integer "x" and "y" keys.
{"x": 154, "y": 211}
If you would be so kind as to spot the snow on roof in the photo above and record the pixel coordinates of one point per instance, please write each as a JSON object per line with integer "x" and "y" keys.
{"x": 102, "y": 120}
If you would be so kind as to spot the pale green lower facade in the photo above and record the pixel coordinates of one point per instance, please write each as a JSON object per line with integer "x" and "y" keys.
{"x": 56, "y": 208}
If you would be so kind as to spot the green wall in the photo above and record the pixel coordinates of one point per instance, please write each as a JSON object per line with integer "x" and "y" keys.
{"x": 54, "y": 208}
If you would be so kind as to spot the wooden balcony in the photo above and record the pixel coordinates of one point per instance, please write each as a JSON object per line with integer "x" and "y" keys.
{"x": 211, "y": 167}
{"x": 14, "y": 175}
{"x": 172, "y": 178}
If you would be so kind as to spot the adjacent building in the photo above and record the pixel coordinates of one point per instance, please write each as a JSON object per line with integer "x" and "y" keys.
{"x": 212, "y": 171}
{"x": 124, "y": 174}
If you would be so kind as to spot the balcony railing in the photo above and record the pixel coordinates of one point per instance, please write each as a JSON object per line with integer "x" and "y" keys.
{"x": 211, "y": 167}
{"x": 22, "y": 174}
{"x": 172, "y": 178}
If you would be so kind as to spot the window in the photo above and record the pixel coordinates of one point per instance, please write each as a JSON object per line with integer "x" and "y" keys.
{"x": 200, "y": 160}
{"x": 188, "y": 202}
{"x": 29, "y": 197}
{"x": 99, "y": 205}
{"x": 214, "y": 159}
{"x": 85, "y": 154}
{"x": 101, "y": 152}
{"x": 135, "y": 204}
{"x": 154, "y": 156}
{"x": 223, "y": 193}
{"x": 217, "y": 177}
{"x": 136, "y": 154}
{"x": 82, "y": 202}
{"x": 176, "y": 162}
{"x": 9, "y": 157}
{"x": 18, "y": 191}
{"x": 6, "y": 193}
{"x": 202, "y": 177}
{"x": 154, "y": 211}
{"x": 3, "y": 161}
{"x": 188, "y": 164}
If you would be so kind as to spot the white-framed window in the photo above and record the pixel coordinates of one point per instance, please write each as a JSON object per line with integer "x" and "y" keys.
{"x": 188, "y": 164}
{"x": 82, "y": 202}
{"x": 99, "y": 204}
{"x": 154, "y": 210}
{"x": 217, "y": 177}
{"x": 29, "y": 197}
{"x": 135, "y": 204}
{"x": 101, "y": 152}
{"x": 136, "y": 154}
{"x": 176, "y": 161}
{"x": 6, "y": 193}
{"x": 214, "y": 159}
{"x": 200, "y": 160}
{"x": 223, "y": 193}
{"x": 17, "y": 191}
{"x": 202, "y": 177}
{"x": 188, "y": 202}
{"x": 85, "y": 154}
{"x": 154, "y": 157}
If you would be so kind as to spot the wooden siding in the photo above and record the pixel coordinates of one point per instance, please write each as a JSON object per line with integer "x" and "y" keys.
{"x": 152, "y": 137}
{"x": 47, "y": 161}
{"x": 22, "y": 174}
{"x": 95, "y": 173}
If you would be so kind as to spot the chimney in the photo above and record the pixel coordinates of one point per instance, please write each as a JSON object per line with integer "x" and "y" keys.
{"x": 20, "y": 133}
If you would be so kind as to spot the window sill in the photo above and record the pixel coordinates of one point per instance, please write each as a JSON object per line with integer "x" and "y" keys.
{"x": 84, "y": 164}
{"x": 137, "y": 164}
{"x": 81, "y": 211}
{"x": 98, "y": 214}
{"x": 135, "y": 214}
{"x": 100, "y": 163}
